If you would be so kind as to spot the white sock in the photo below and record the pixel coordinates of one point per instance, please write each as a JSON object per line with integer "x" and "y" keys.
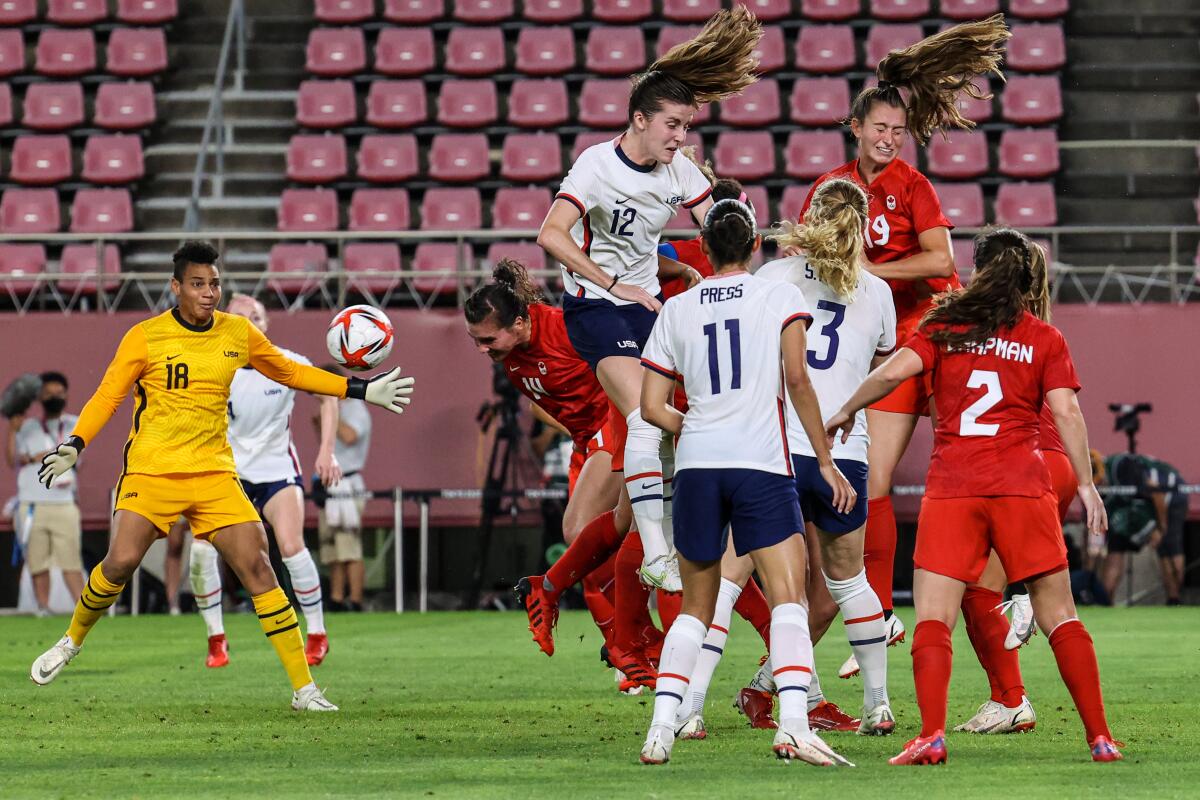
{"x": 644, "y": 480}
{"x": 680, "y": 650}
{"x": 306, "y": 584}
{"x": 866, "y": 631}
{"x": 710, "y": 651}
{"x": 792, "y": 658}
{"x": 666, "y": 455}
{"x": 815, "y": 695}
{"x": 205, "y": 577}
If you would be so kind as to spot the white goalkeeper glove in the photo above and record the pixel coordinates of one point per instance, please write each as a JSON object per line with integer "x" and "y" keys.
{"x": 388, "y": 390}
{"x": 57, "y": 463}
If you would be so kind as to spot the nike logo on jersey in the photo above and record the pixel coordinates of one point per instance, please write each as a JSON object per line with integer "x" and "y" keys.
{"x": 177, "y": 355}
{"x": 513, "y": 369}
{"x": 623, "y": 202}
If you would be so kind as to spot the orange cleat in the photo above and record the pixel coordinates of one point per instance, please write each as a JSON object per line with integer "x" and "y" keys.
{"x": 316, "y": 648}
{"x": 756, "y": 705}
{"x": 633, "y": 664}
{"x": 1105, "y": 749}
{"x": 218, "y": 651}
{"x": 826, "y": 716}
{"x": 922, "y": 750}
{"x": 542, "y": 612}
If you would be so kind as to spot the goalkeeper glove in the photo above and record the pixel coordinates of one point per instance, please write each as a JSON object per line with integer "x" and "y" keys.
{"x": 60, "y": 461}
{"x": 388, "y": 390}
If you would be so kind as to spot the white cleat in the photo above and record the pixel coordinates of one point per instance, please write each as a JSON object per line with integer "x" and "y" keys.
{"x": 1022, "y": 628}
{"x": 879, "y": 721}
{"x": 806, "y": 747}
{"x": 47, "y": 666}
{"x": 657, "y": 749}
{"x": 763, "y": 680}
{"x": 692, "y": 728}
{"x": 849, "y": 668}
{"x": 995, "y": 718}
{"x": 309, "y": 698}
{"x": 662, "y": 573}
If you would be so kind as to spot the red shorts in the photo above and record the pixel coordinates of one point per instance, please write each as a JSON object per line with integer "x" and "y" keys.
{"x": 911, "y": 396}
{"x": 955, "y": 535}
{"x": 602, "y": 441}
{"x": 1062, "y": 479}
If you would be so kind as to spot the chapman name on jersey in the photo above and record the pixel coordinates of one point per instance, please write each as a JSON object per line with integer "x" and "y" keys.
{"x": 623, "y": 209}
{"x": 721, "y": 338}
{"x": 844, "y": 337}
{"x": 260, "y": 433}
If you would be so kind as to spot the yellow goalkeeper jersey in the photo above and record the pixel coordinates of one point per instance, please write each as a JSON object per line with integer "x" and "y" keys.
{"x": 180, "y": 375}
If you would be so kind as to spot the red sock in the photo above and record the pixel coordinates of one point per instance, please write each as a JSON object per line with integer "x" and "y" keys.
{"x": 932, "y": 657}
{"x": 987, "y": 629}
{"x": 1076, "y": 656}
{"x": 752, "y": 606}
{"x": 595, "y": 543}
{"x": 601, "y": 609}
{"x": 669, "y": 606}
{"x": 631, "y": 595}
{"x": 879, "y": 548}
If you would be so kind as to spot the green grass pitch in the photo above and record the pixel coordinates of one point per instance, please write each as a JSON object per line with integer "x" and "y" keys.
{"x": 463, "y": 705}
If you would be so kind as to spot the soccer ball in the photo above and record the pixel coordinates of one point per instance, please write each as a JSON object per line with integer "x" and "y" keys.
{"x": 360, "y": 337}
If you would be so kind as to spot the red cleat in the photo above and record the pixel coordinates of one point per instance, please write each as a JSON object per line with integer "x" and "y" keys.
{"x": 1105, "y": 749}
{"x": 922, "y": 750}
{"x": 542, "y": 612}
{"x": 316, "y": 648}
{"x": 634, "y": 664}
{"x": 826, "y": 716}
{"x": 756, "y": 705}
{"x": 218, "y": 651}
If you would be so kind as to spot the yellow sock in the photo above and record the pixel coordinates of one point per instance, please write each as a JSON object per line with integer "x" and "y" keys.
{"x": 279, "y": 623}
{"x": 98, "y": 594}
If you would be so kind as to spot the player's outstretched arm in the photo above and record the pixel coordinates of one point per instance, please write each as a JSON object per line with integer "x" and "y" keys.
{"x": 326, "y": 465}
{"x": 901, "y": 366}
{"x": 1068, "y": 418}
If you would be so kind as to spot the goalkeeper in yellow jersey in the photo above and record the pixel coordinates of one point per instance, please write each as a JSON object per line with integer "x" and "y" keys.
{"x": 177, "y": 460}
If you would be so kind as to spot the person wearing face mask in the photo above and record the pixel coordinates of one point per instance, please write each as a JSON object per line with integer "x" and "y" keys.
{"x": 47, "y": 520}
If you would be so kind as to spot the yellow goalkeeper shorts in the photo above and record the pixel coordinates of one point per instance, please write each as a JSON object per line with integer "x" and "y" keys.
{"x": 208, "y": 500}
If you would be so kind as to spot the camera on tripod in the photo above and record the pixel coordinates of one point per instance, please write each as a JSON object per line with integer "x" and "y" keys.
{"x": 1128, "y": 420}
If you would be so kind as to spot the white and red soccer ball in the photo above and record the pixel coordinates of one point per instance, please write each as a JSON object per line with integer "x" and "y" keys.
{"x": 360, "y": 337}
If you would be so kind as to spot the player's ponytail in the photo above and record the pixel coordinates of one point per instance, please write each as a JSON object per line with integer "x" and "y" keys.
{"x": 831, "y": 235}
{"x": 508, "y": 296}
{"x": 998, "y": 295}
{"x": 1039, "y": 295}
{"x": 933, "y": 71}
{"x": 730, "y": 233}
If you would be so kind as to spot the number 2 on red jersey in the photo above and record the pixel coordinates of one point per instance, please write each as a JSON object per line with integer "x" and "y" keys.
{"x": 968, "y": 424}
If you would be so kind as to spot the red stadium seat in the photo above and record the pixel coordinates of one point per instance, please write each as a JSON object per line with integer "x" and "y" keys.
{"x": 17, "y": 12}
{"x": 316, "y": 159}
{"x": 615, "y": 51}
{"x": 830, "y": 10}
{"x": 80, "y": 262}
{"x": 963, "y": 251}
{"x": 363, "y": 261}
{"x": 820, "y": 101}
{"x": 20, "y": 264}
{"x": 413, "y": 12}
{"x": 621, "y": 10}
{"x": 102, "y": 211}
{"x": 336, "y": 52}
{"x": 690, "y": 10}
{"x": 308, "y": 210}
{"x": 825, "y": 48}
{"x": 1036, "y": 48}
{"x": 459, "y": 157}
{"x": 6, "y": 106}
{"x": 756, "y": 106}
{"x": 962, "y": 10}
{"x": 441, "y": 259}
{"x": 1039, "y": 9}
{"x": 792, "y": 201}
{"x": 962, "y": 203}
{"x": 343, "y": 12}
{"x": 388, "y": 159}
{"x": 745, "y": 155}
{"x": 604, "y": 103}
{"x": 1029, "y": 153}
{"x": 53, "y": 106}
{"x": 147, "y": 12}
{"x": 810, "y": 154}
{"x": 973, "y": 108}
{"x": 760, "y": 203}
{"x": 380, "y": 210}
{"x": 585, "y": 140}
{"x": 65, "y": 54}
{"x": 12, "y": 51}
{"x": 531, "y": 157}
{"x": 467, "y": 104}
{"x": 327, "y": 104}
{"x": 76, "y": 12}
{"x": 538, "y": 103}
{"x": 552, "y": 12}
{"x": 1031, "y": 100}
{"x": 396, "y": 104}
{"x": 768, "y": 10}
{"x": 478, "y": 11}
{"x": 671, "y": 35}
{"x": 475, "y": 51}
{"x": 898, "y": 10}
{"x": 545, "y": 51}
{"x": 405, "y": 51}
{"x": 1026, "y": 205}
{"x": 125, "y": 106}
{"x": 521, "y": 209}
{"x": 529, "y": 254}
{"x": 136, "y": 52}
{"x": 883, "y": 39}
{"x": 113, "y": 160}
{"x": 451, "y": 210}
{"x": 963, "y": 155}
{"x": 29, "y": 211}
{"x": 771, "y": 51}
{"x": 41, "y": 160}
{"x": 296, "y": 257}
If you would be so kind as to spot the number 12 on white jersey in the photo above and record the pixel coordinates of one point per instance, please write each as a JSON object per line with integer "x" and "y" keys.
{"x": 967, "y": 423}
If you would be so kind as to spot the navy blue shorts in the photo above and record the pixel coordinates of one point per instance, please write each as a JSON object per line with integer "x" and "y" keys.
{"x": 761, "y": 507}
{"x": 261, "y": 493}
{"x": 598, "y": 329}
{"x": 816, "y": 496}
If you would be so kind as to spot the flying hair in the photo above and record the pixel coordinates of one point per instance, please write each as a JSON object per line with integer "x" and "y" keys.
{"x": 1039, "y": 295}
{"x": 508, "y": 296}
{"x": 830, "y": 235}
{"x": 705, "y": 166}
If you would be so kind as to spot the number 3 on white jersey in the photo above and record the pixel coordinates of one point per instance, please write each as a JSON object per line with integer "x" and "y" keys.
{"x": 967, "y": 425}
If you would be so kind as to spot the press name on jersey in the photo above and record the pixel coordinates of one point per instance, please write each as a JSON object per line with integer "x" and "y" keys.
{"x": 1001, "y": 348}
{"x": 716, "y": 294}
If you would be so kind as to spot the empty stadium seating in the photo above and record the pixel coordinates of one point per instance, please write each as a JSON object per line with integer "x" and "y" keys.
{"x": 545, "y": 51}
{"x": 531, "y": 157}
{"x": 379, "y": 210}
{"x": 316, "y": 159}
{"x": 79, "y": 264}
{"x": 521, "y": 209}
{"x": 76, "y": 12}
{"x": 387, "y": 158}
{"x": 41, "y": 160}
{"x": 29, "y": 211}
{"x": 459, "y": 157}
{"x": 363, "y": 261}
{"x": 446, "y": 209}
{"x": 405, "y": 51}
{"x": 308, "y": 210}
{"x": 396, "y": 104}
{"x": 538, "y": 103}
{"x": 1028, "y": 153}
{"x": 102, "y": 211}
{"x": 124, "y": 106}
{"x": 113, "y": 160}
{"x": 962, "y": 154}
{"x": 1026, "y": 204}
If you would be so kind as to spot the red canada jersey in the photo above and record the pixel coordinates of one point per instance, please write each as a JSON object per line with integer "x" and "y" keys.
{"x": 1049, "y": 431}
{"x": 989, "y": 399}
{"x": 686, "y": 251}
{"x": 550, "y": 373}
{"x": 901, "y": 205}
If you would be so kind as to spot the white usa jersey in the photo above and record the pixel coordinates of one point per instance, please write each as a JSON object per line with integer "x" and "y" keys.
{"x": 844, "y": 337}
{"x": 721, "y": 338}
{"x": 260, "y": 432}
{"x": 623, "y": 209}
